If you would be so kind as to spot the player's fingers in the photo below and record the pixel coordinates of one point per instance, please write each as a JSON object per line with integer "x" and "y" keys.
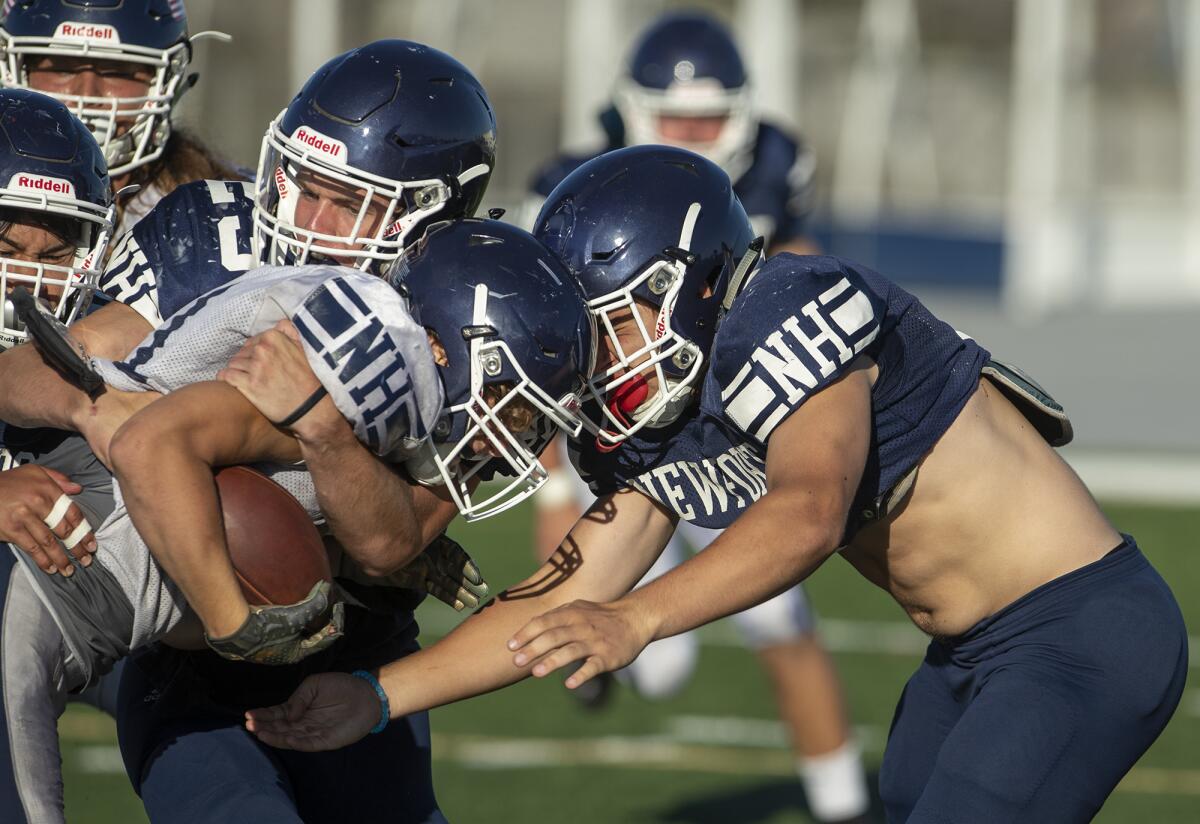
{"x": 71, "y": 516}
{"x": 472, "y": 573}
{"x": 57, "y": 512}
{"x": 589, "y": 670}
{"x": 266, "y": 717}
{"x": 289, "y": 330}
{"x": 27, "y": 545}
{"x": 531, "y": 630}
{"x": 561, "y": 657}
{"x": 446, "y": 595}
{"x": 64, "y": 483}
{"x": 545, "y": 642}
{"x": 237, "y": 377}
{"x": 40, "y": 539}
{"x": 76, "y": 542}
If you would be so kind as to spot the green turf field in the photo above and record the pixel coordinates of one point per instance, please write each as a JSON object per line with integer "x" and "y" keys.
{"x": 715, "y": 754}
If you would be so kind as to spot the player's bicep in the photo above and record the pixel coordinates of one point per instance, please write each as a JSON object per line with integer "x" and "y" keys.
{"x": 818, "y": 452}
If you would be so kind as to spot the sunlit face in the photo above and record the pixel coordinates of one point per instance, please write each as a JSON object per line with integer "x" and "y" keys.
{"x": 91, "y": 77}
{"x": 331, "y": 207}
{"x": 691, "y": 130}
{"x": 628, "y": 339}
{"x": 33, "y": 241}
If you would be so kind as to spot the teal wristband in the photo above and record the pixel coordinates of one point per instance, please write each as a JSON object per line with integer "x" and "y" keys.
{"x": 384, "y": 711}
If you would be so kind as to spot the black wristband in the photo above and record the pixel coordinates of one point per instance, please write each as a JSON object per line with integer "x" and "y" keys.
{"x": 304, "y": 408}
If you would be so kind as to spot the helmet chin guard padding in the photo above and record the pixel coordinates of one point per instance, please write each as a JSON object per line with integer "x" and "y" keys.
{"x": 655, "y": 236}
{"x": 403, "y": 135}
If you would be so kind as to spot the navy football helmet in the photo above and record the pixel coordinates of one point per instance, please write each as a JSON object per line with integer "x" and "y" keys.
{"x": 403, "y": 132}
{"x": 132, "y": 131}
{"x": 686, "y": 65}
{"x": 52, "y": 168}
{"x": 516, "y": 342}
{"x": 660, "y": 226}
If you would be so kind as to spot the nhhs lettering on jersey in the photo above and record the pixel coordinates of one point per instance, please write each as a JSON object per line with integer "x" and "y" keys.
{"x": 797, "y": 356}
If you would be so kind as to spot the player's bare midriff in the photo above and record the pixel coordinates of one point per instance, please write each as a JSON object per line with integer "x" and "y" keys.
{"x": 995, "y": 513}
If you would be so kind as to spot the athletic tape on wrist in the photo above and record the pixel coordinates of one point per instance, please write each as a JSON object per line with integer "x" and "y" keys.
{"x": 384, "y": 709}
{"x": 58, "y": 511}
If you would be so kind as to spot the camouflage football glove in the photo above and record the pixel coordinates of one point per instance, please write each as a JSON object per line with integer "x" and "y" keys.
{"x": 55, "y": 343}
{"x": 281, "y": 635}
{"x": 445, "y": 571}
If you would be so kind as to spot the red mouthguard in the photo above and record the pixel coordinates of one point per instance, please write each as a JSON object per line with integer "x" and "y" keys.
{"x": 628, "y": 397}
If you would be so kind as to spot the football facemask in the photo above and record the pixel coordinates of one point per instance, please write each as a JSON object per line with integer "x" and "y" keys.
{"x": 373, "y": 215}
{"x": 502, "y": 426}
{"x": 65, "y": 291}
{"x": 132, "y": 131}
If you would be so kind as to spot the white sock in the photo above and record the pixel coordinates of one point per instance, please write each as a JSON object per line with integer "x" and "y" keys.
{"x": 834, "y": 783}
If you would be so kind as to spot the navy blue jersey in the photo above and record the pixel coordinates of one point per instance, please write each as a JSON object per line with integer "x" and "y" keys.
{"x": 196, "y": 239}
{"x": 776, "y": 188}
{"x": 795, "y": 329}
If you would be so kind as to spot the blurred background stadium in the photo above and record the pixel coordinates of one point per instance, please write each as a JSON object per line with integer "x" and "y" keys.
{"x": 1030, "y": 168}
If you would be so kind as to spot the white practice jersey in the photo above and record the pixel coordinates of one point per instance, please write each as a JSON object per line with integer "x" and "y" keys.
{"x": 360, "y": 340}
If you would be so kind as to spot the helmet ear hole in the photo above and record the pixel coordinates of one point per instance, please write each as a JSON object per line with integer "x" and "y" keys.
{"x": 708, "y": 287}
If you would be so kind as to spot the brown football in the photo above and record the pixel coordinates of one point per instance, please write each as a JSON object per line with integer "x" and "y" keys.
{"x": 276, "y": 550}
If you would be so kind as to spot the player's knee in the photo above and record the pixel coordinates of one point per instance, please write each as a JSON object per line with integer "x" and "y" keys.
{"x": 130, "y": 444}
{"x": 785, "y": 619}
{"x": 663, "y": 668}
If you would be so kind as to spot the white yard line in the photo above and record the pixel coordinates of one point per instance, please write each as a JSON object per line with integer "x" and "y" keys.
{"x": 663, "y": 752}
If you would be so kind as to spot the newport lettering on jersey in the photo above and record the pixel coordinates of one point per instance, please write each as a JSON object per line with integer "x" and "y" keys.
{"x": 709, "y": 489}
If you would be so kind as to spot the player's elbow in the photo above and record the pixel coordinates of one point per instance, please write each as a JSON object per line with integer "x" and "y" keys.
{"x": 816, "y": 522}
{"x": 384, "y": 556}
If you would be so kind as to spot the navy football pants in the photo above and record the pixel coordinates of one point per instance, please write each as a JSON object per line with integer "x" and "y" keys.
{"x": 1037, "y": 712}
{"x": 192, "y": 761}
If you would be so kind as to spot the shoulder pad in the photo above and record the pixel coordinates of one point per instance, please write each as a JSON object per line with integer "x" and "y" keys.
{"x": 373, "y": 359}
{"x": 799, "y": 323}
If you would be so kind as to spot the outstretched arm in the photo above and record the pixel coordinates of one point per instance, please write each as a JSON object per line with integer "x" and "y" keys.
{"x": 181, "y": 437}
{"x": 815, "y": 460}
{"x": 46, "y": 398}
{"x": 606, "y": 554}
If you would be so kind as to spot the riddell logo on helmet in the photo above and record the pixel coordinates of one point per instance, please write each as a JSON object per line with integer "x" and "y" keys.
{"x": 325, "y": 145}
{"x": 87, "y": 31}
{"x": 281, "y": 181}
{"x": 41, "y": 184}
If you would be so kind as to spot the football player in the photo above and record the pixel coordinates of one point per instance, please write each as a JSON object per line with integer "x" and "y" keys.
{"x": 446, "y": 121}
{"x": 121, "y": 68}
{"x": 482, "y": 367}
{"x": 829, "y": 412}
{"x": 685, "y": 85}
